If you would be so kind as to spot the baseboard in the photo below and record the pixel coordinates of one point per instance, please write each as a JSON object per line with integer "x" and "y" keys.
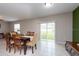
{"x": 58, "y": 42}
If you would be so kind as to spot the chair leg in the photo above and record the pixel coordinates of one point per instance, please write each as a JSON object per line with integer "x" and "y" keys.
{"x": 35, "y": 46}
{"x": 9, "y": 49}
{"x": 20, "y": 50}
{"x": 14, "y": 50}
{"x": 32, "y": 50}
{"x": 6, "y": 48}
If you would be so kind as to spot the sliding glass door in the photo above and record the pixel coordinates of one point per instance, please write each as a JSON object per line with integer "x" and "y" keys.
{"x": 47, "y": 31}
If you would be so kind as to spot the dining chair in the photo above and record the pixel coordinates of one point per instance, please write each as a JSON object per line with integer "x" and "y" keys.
{"x": 32, "y": 43}
{"x": 9, "y": 41}
{"x": 13, "y": 33}
{"x": 18, "y": 44}
{"x": 29, "y": 33}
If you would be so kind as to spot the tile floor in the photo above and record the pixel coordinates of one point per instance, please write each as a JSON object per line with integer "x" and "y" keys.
{"x": 43, "y": 49}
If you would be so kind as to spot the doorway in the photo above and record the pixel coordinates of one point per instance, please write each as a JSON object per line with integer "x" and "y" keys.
{"x": 47, "y": 31}
{"x": 47, "y": 36}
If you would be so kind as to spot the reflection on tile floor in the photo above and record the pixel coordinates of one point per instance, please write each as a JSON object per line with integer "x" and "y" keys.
{"x": 43, "y": 49}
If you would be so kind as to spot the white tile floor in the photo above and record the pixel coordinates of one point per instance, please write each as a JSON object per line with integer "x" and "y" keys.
{"x": 43, "y": 49}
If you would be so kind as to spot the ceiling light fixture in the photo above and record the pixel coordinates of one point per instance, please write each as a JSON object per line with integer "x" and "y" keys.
{"x": 48, "y": 5}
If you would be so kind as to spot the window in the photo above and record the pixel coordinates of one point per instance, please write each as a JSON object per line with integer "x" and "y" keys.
{"x": 17, "y": 28}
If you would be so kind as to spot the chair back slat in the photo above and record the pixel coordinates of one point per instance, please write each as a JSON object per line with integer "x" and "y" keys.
{"x": 17, "y": 40}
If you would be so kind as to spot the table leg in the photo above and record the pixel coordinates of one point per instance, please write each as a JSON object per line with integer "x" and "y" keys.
{"x": 25, "y": 48}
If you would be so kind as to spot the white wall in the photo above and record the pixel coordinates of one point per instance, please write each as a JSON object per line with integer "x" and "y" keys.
{"x": 4, "y": 27}
{"x": 63, "y": 26}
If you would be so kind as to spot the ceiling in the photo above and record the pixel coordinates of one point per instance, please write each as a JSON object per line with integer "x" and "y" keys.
{"x": 20, "y": 11}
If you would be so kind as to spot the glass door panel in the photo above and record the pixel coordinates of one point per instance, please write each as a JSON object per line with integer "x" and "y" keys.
{"x": 47, "y": 31}
{"x": 43, "y": 31}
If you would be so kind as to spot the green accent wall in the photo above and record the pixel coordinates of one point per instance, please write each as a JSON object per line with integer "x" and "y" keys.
{"x": 76, "y": 25}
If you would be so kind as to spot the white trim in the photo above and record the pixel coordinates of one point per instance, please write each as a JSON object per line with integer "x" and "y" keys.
{"x": 60, "y": 42}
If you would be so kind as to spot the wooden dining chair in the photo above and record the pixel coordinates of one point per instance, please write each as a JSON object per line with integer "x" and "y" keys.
{"x": 18, "y": 44}
{"x": 9, "y": 41}
{"x": 30, "y": 33}
{"x": 32, "y": 43}
{"x": 13, "y": 33}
